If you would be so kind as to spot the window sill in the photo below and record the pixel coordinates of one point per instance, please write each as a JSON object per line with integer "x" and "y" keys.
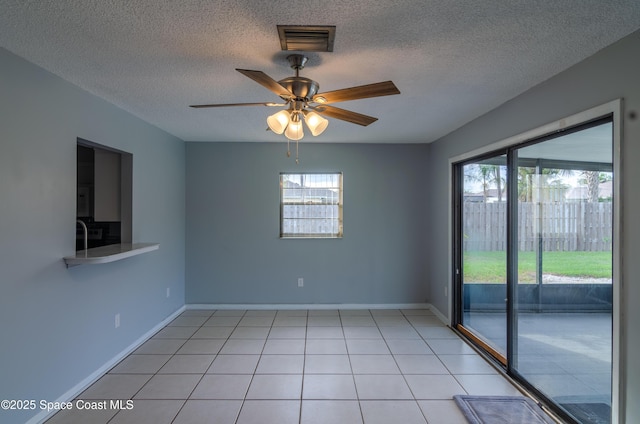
{"x": 306, "y": 237}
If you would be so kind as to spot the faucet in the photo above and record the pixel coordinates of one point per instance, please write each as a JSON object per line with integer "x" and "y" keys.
{"x": 86, "y": 232}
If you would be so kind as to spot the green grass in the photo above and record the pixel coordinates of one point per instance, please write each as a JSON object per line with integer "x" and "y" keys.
{"x": 482, "y": 266}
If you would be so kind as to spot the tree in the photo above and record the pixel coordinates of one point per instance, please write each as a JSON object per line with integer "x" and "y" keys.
{"x": 593, "y": 185}
{"x": 488, "y": 176}
{"x": 592, "y": 180}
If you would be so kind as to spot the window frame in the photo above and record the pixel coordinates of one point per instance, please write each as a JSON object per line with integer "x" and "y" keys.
{"x": 333, "y": 235}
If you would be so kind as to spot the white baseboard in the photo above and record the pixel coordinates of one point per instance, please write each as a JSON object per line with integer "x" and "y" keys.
{"x": 296, "y": 306}
{"x": 445, "y": 320}
{"x": 70, "y": 394}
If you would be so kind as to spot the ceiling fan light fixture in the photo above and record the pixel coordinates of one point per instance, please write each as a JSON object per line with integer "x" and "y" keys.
{"x": 294, "y": 129}
{"x": 316, "y": 123}
{"x": 278, "y": 121}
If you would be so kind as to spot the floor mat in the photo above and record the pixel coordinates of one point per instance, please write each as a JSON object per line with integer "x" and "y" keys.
{"x": 501, "y": 410}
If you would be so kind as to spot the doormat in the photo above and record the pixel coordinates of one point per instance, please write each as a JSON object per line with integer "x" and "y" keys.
{"x": 589, "y": 412}
{"x": 501, "y": 410}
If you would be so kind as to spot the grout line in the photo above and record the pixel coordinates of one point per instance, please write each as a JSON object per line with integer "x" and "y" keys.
{"x": 244, "y": 398}
{"x": 200, "y": 380}
{"x": 304, "y": 363}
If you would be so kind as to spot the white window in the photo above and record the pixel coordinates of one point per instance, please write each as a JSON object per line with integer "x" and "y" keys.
{"x": 311, "y": 205}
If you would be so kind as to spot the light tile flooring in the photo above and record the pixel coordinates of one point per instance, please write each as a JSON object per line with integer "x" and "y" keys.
{"x": 295, "y": 366}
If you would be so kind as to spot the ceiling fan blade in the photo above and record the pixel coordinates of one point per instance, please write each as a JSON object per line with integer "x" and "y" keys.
{"x": 378, "y": 89}
{"x": 345, "y": 115}
{"x": 267, "y": 82}
{"x": 237, "y": 104}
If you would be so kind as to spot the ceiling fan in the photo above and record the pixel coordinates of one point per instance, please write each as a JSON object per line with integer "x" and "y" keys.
{"x": 303, "y": 101}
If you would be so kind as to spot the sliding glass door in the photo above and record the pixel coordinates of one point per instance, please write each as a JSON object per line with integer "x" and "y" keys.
{"x": 563, "y": 308}
{"x": 534, "y": 265}
{"x": 483, "y": 255}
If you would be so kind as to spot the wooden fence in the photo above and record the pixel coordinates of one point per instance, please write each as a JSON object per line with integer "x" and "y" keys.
{"x": 579, "y": 226}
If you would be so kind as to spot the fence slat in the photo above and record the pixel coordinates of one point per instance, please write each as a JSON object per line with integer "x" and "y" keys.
{"x": 578, "y": 226}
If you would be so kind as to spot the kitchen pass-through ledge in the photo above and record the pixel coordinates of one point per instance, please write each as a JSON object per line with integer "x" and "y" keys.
{"x": 110, "y": 253}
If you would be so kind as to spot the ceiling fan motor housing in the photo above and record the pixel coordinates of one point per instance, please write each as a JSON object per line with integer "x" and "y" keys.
{"x": 302, "y": 88}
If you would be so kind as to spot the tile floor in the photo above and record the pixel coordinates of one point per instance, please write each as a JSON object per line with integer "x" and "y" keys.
{"x": 295, "y": 366}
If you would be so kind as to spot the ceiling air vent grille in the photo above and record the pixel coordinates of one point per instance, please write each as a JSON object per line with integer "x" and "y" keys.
{"x": 307, "y": 38}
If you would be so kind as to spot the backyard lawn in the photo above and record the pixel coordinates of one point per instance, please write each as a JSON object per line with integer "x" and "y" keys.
{"x": 483, "y": 266}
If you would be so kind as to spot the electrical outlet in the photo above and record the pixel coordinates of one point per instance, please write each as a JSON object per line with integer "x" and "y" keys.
{"x": 117, "y": 320}
{"x": 300, "y": 282}
{"x": 168, "y": 292}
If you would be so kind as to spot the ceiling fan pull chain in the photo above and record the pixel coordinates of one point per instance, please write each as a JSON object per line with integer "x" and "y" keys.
{"x": 288, "y": 151}
{"x": 297, "y": 161}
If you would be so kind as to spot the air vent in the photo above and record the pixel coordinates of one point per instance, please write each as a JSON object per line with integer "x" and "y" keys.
{"x": 307, "y": 38}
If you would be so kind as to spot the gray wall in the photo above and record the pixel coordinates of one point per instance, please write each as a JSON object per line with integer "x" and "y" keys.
{"x": 58, "y": 323}
{"x": 235, "y": 255}
{"x": 610, "y": 74}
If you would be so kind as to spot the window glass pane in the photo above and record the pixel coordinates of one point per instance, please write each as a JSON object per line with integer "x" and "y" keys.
{"x": 311, "y": 205}
{"x": 484, "y": 253}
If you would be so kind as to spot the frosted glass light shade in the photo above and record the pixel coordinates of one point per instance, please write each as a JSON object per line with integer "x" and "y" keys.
{"x": 316, "y": 123}
{"x": 278, "y": 121}
{"x": 294, "y": 130}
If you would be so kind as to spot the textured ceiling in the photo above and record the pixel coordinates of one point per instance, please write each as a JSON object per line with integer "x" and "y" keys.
{"x": 453, "y": 60}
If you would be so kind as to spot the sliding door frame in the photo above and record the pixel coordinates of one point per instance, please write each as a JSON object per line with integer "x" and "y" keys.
{"x": 611, "y": 109}
{"x": 458, "y": 309}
